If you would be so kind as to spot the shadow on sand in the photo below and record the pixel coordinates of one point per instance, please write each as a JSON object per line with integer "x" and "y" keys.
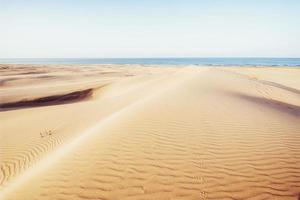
{"x": 49, "y": 100}
{"x": 271, "y": 103}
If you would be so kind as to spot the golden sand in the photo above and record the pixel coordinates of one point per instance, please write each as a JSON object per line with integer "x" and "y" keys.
{"x": 112, "y": 132}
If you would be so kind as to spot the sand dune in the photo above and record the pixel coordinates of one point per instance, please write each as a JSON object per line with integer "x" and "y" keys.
{"x": 151, "y": 133}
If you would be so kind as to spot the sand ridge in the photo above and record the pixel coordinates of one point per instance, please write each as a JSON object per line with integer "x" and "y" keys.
{"x": 162, "y": 133}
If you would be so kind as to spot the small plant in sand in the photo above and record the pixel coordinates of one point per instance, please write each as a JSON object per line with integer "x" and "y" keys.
{"x": 46, "y": 133}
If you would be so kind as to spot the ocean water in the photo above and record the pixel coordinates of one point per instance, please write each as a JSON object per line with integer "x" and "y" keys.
{"x": 294, "y": 62}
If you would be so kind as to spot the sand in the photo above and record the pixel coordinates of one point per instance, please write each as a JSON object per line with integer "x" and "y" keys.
{"x": 149, "y": 132}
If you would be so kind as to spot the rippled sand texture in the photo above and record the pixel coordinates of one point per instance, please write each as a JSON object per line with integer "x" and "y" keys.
{"x": 150, "y": 133}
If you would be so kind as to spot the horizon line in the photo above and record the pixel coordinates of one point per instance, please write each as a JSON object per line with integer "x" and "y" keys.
{"x": 171, "y": 57}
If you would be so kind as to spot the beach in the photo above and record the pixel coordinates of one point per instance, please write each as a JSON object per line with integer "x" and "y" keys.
{"x": 115, "y": 132}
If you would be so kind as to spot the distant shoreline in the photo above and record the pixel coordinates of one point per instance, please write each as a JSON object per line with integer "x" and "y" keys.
{"x": 210, "y": 61}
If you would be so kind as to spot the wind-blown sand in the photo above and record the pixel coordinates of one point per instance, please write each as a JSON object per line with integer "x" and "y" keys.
{"x": 132, "y": 132}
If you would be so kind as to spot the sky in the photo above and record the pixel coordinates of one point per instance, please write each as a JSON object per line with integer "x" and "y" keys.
{"x": 149, "y": 28}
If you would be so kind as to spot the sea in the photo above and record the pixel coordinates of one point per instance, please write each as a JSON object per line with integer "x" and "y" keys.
{"x": 292, "y": 62}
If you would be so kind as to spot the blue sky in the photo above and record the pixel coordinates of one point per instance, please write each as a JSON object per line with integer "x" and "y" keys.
{"x": 153, "y": 28}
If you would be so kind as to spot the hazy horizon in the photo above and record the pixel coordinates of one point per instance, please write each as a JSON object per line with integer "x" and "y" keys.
{"x": 162, "y": 57}
{"x": 134, "y": 29}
